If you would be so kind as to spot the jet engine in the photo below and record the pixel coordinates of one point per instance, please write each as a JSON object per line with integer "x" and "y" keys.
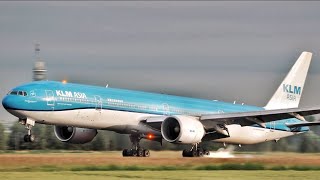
{"x": 182, "y": 129}
{"x": 74, "y": 135}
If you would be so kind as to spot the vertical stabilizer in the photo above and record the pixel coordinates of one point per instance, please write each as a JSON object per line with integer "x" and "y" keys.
{"x": 290, "y": 90}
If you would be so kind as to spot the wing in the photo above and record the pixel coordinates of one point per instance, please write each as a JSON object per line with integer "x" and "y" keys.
{"x": 217, "y": 122}
{"x": 256, "y": 117}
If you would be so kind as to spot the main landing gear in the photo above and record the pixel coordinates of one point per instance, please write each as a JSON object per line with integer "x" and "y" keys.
{"x": 136, "y": 150}
{"x": 28, "y": 124}
{"x": 195, "y": 151}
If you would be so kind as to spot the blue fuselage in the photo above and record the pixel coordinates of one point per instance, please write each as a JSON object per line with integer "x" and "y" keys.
{"x": 57, "y": 96}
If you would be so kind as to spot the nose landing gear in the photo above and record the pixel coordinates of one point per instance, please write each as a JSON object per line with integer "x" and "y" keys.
{"x": 28, "y": 124}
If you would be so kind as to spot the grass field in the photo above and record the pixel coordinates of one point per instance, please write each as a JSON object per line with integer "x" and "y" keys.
{"x": 169, "y": 175}
{"x": 161, "y": 165}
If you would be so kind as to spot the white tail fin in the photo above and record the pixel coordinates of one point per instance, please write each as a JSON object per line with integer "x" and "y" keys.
{"x": 290, "y": 90}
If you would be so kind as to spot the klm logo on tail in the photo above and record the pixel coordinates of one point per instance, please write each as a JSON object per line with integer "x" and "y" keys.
{"x": 288, "y": 88}
{"x": 291, "y": 91}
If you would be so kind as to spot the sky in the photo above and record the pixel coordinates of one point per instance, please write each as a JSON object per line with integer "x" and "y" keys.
{"x": 231, "y": 51}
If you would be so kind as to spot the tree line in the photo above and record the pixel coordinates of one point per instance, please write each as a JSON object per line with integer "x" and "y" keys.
{"x": 111, "y": 141}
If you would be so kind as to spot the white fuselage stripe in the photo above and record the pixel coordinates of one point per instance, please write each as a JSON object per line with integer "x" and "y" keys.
{"x": 119, "y": 120}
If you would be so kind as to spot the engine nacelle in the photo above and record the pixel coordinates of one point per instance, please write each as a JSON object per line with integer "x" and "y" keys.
{"x": 74, "y": 135}
{"x": 182, "y": 129}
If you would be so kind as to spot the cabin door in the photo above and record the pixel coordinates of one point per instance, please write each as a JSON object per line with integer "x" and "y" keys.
{"x": 166, "y": 109}
{"x": 98, "y": 103}
{"x": 50, "y": 98}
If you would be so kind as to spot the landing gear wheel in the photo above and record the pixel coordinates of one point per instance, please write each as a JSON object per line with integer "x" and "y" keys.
{"x": 146, "y": 153}
{"x": 136, "y": 150}
{"x": 125, "y": 152}
{"x": 140, "y": 152}
{"x": 185, "y": 153}
{"x": 206, "y": 152}
{"x": 195, "y": 151}
{"x": 200, "y": 153}
{"x": 29, "y": 138}
{"x": 32, "y": 138}
{"x": 26, "y": 138}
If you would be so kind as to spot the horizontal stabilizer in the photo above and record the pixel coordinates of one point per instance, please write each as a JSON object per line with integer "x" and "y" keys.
{"x": 295, "y": 125}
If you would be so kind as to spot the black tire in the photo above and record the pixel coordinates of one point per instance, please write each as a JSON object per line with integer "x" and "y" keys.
{"x": 194, "y": 153}
{"x": 200, "y": 153}
{"x": 146, "y": 153}
{"x": 26, "y": 138}
{"x": 125, "y": 153}
{"x": 140, "y": 153}
{"x": 186, "y": 153}
{"x": 129, "y": 152}
{"x": 207, "y": 153}
{"x": 134, "y": 152}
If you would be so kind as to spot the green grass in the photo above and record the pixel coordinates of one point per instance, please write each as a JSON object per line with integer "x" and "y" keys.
{"x": 169, "y": 175}
{"x": 137, "y": 168}
{"x": 209, "y": 167}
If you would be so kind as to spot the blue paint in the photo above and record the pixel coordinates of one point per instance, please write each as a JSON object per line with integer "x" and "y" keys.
{"x": 51, "y": 95}
{"x": 288, "y": 88}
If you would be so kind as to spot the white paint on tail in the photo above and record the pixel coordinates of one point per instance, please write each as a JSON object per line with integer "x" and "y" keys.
{"x": 290, "y": 90}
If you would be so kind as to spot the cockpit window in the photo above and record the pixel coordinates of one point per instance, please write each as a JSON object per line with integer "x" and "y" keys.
{"x": 14, "y": 92}
{"x": 20, "y": 93}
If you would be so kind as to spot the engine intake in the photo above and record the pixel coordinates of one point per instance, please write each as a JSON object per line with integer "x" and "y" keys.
{"x": 74, "y": 135}
{"x": 182, "y": 129}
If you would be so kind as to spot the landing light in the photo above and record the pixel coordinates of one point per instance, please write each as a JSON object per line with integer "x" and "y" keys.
{"x": 150, "y": 136}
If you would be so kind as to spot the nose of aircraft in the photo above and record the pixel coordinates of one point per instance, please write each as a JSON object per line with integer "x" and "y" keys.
{"x": 11, "y": 104}
{"x": 7, "y": 102}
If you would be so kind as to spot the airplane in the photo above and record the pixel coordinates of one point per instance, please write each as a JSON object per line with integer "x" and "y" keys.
{"x": 77, "y": 111}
